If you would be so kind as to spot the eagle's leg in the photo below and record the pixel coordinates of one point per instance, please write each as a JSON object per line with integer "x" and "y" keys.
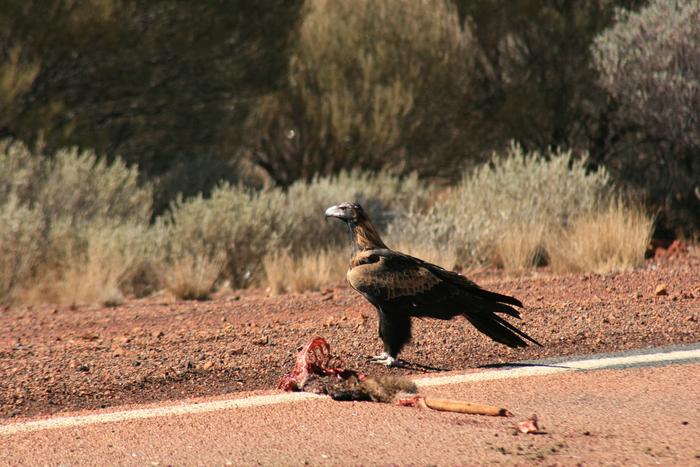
{"x": 395, "y": 333}
{"x": 382, "y": 357}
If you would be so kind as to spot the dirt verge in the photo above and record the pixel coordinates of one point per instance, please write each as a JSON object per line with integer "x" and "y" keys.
{"x": 55, "y": 359}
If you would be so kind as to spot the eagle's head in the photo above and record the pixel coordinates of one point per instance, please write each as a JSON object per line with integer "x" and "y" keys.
{"x": 364, "y": 235}
{"x": 348, "y": 212}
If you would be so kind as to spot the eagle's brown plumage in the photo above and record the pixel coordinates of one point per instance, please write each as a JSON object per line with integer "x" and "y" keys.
{"x": 401, "y": 287}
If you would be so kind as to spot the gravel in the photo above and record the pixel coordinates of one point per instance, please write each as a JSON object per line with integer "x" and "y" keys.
{"x": 57, "y": 359}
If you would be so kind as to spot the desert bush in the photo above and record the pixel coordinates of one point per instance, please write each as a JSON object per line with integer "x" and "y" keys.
{"x": 611, "y": 238}
{"x": 649, "y": 62}
{"x": 444, "y": 257}
{"x": 371, "y": 84}
{"x": 20, "y": 244}
{"x": 20, "y": 172}
{"x": 516, "y": 192}
{"x": 238, "y": 223}
{"x": 91, "y": 266}
{"x": 247, "y": 225}
{"x": 194, "y": 277}
{"x": 381, "y": 194}
{"x": 520, "y": 247}
{"x": 73, "y": 224}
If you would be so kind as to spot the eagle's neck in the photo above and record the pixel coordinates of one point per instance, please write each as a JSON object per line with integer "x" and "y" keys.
{"x": 365, "y": 237}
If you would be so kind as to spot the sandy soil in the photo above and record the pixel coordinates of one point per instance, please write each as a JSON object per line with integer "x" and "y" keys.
{"x": 55, "y": 359}
{"x": 609, "y": 417}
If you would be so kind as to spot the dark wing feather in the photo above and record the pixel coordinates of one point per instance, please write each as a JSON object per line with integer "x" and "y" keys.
{"x": 399, "y": 283}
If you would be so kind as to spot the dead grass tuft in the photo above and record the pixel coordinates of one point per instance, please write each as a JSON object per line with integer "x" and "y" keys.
{"x": 307, "y": 272}
{"x": 87, "y": 271}
{"x": 610, "y": 239}
{"x": 519, "y": 249}
{"x": 194, "y": 277}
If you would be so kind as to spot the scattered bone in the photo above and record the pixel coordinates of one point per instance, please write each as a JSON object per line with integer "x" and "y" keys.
{"x": 530, "y": 426}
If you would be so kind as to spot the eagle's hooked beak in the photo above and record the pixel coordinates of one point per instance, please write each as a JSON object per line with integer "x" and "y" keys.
{"x": 335, "y": 211}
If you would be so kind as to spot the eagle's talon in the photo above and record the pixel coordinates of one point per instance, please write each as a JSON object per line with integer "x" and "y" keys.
{"x": 381, "y": 356}
{"x": 390, "y": 362}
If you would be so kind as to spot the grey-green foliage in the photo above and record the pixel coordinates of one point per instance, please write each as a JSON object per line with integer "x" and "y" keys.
{"x": 148, "y": 80}
{"x": 20, "y": 243}
{"x": 371, "y": 84}
{"x": 650, "y": 63}
{"x": 234, "y": 224}
{"x": 514, "y": 190}
{"x": 50, "y": 206}
{"x": 381, "y": 194}
{"x": 534, "y": 81}
{"x": 241, "y": 226}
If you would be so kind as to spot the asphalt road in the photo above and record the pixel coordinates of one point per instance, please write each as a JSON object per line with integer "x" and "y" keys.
{"x": 630, "y": 408}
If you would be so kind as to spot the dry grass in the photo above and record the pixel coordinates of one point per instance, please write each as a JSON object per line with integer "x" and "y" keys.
{"x": 520, "y": 248}
{"x": 89, "y": 271}
{"x": 610, "y": 239}
{"x": 308, "y": 272}
{"x": 70, "y": 225}
{"x": 194, "y": 277}
{"x": 480, "y": 217}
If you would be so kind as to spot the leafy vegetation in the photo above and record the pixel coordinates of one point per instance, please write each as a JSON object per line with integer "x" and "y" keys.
{"x": 371, "y": 85}
{"x": 222, "y": 140}
{"x": 515, "y": 192}
{"x": 72, "y": 222}
{"x": 649, "y": 63}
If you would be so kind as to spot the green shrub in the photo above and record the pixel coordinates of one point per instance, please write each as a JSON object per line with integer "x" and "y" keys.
{"x": 382, "y": 195}
{"x": 649, "y": 63}
{"x": 20, "y": 244}
{"x": 57, "y": 213}
{"x": 371, "y": 84}
{"x": 236, "y": 222}
{"x": 245, "y": 225}
{"x": 517, "y": 191}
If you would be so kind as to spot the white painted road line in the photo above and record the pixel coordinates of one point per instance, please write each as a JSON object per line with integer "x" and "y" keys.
{"x": 167, "y": 411}
{"x": 575, "y": 365}
{"x": 202, "y": 407}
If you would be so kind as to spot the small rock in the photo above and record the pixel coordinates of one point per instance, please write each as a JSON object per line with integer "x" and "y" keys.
{"x": 661, "y": 289}
{"x": 207, "y": 365}
{"x": 157, "y": 334}
{"x": 83, "y": 368}
{"x": 264, "y": 340}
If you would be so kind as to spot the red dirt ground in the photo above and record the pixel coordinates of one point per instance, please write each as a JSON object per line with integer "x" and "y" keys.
{"x": 55, "y": 359}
